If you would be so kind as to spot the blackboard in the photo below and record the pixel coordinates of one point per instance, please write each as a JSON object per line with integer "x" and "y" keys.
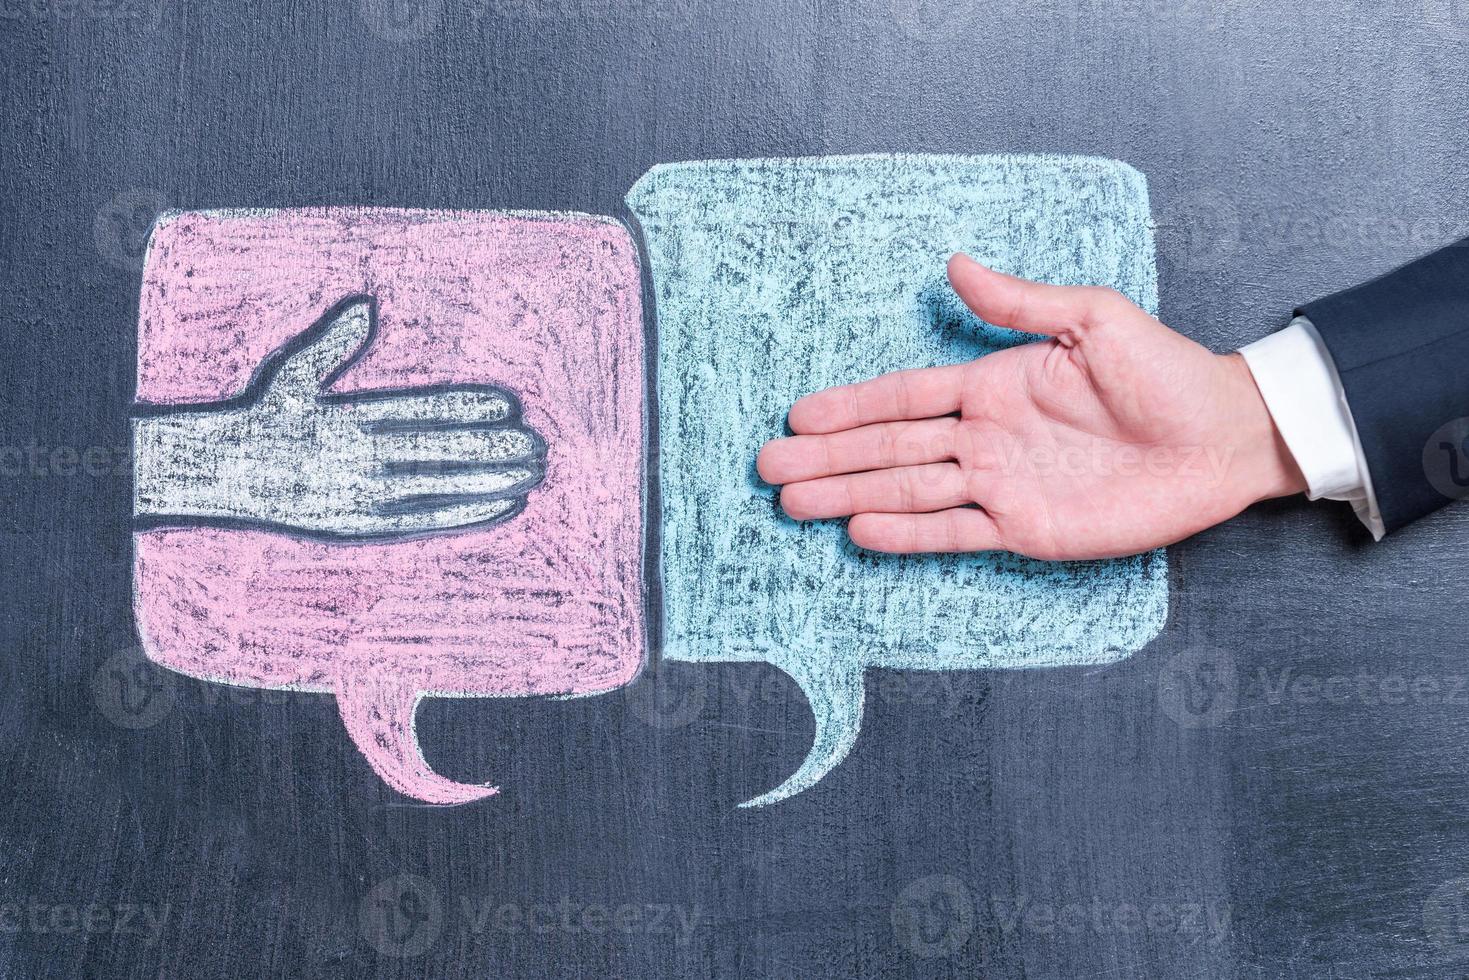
{"x": 1274, "y": 787}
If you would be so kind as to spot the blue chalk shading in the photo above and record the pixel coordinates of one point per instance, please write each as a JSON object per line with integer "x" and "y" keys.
{"x": 775, "y": 278}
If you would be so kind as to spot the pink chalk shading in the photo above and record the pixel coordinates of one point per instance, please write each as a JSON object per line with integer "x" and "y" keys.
{"x": 548, "y": 603}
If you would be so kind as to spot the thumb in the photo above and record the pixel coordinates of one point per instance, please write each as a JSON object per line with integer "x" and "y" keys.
{"x": 1019, "y": 304}
{"x": 316, "y": 357}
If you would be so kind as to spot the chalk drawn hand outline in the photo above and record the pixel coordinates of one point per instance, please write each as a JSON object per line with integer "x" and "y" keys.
{"x": 290, "y": 454}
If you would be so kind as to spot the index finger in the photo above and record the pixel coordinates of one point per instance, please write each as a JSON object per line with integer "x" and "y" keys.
{"x": 914, "y": 394}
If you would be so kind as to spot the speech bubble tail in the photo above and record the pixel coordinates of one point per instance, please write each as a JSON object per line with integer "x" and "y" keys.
{"x": 379, "y": 718}
{"x": 835, "y": 695}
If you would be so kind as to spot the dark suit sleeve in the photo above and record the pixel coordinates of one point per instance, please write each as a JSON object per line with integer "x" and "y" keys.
{"x": 1401, "y": 347}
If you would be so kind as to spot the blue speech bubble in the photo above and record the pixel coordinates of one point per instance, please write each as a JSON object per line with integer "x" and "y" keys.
{"x": 775, "y": 278}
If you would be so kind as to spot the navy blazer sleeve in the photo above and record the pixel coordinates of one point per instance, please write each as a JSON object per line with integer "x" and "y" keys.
{"x": 1401, "y": 347}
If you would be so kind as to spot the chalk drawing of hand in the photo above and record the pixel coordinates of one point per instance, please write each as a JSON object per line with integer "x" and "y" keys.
{"x": 290, "y": 454}
{"x": 1113, "y": 436}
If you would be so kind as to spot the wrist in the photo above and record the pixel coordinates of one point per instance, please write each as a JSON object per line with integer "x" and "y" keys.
{"x": 179, "y": 469}
{"x": 1263, "y": 467}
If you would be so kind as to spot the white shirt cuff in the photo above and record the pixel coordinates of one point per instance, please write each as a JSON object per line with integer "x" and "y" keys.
{"x": 1303, "y": 393}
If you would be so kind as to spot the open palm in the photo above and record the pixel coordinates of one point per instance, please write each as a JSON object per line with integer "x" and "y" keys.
{"x": 1114, "y": 436}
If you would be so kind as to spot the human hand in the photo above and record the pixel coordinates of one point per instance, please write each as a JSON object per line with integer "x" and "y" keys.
{"x": 1113, "y": 437}
{"x": 290, "y": 454}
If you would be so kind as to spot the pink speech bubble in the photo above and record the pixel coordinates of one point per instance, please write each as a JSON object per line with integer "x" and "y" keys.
{"x": 548, "y": 603}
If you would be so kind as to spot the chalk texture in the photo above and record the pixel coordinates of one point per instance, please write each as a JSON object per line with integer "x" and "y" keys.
{"x": 549, "y": 603}
{"x": 1324, "y": 827}
{"x": 775, "y": 278}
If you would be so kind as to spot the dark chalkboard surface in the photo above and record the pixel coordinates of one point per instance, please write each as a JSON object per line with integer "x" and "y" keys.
{"x": 1276, "y": 786}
